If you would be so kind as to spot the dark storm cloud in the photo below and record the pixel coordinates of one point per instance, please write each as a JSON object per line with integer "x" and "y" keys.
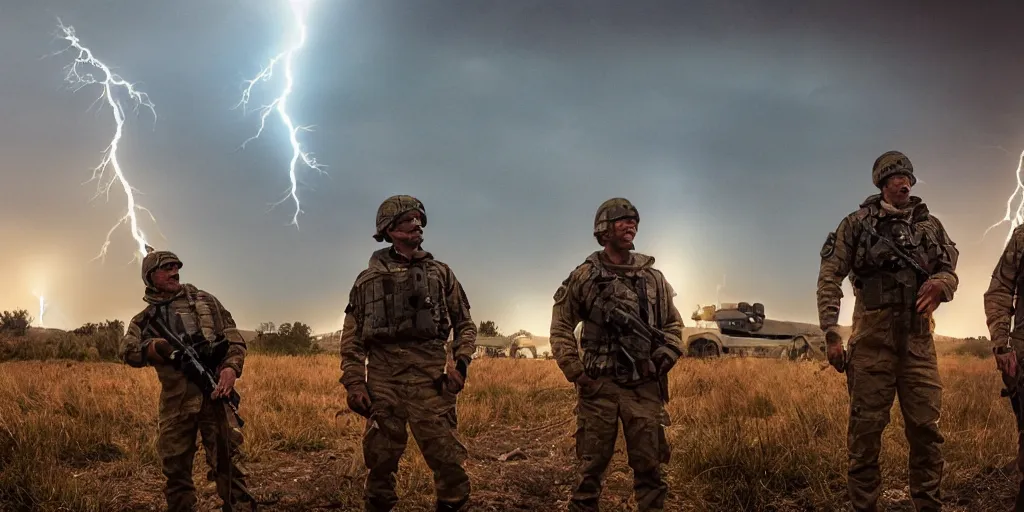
{"x": 743, "y": 131}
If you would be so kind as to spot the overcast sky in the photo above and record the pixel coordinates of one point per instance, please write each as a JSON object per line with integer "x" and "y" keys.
{"x": 743, "y": 133}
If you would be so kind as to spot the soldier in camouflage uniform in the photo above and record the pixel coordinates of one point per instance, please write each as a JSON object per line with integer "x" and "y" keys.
{"x": 184, "y": 409}
{"x": 1003, "y": 305}
{"x": 891, "y": 351}
{"x": 394, "y": 360}
{"x": 608, "y": 388}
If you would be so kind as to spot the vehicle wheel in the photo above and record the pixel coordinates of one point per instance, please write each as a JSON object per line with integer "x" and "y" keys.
{"x": 703, "y": 348}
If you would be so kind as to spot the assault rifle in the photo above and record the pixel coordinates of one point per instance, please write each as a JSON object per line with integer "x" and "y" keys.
{"x": 896, "y": 250}
{"x": 196, "y": 366}
{"x": 614, "y": 315}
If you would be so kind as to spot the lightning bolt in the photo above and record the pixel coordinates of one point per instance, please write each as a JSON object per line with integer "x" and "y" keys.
{"x": 300, "y": 10}
{"x": 42, "y": 309}
{"x": 109, "y": 82}
{"x": 1015, "y": 216}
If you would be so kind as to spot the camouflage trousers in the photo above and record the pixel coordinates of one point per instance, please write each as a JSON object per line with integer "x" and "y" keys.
{"x": 1019, "y": 503}
{"x": 430, "y": 414}
{"x": 888, "y": 359}
{"x": 643, "y": 416}
{"x": 176, "y": 445}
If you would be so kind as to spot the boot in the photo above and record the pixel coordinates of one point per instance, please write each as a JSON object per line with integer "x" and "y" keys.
{"x": 451, "y": 507}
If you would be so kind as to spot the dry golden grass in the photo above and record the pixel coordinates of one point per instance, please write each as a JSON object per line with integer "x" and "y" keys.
{"x": 747, "y": 434}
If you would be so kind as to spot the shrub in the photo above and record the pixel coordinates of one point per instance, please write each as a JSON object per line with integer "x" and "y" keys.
{"x": 15, "y": 323}
{"x": 288, "y": 339}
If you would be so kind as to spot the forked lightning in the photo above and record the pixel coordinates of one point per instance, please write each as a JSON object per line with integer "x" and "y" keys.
{"x": 300, "y": 10}
{"x": 1015, "y": 216}
{"x": 109, "y": 81}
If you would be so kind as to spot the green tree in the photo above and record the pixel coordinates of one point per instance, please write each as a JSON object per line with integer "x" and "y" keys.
{"x": 289, "y": 339}
{"x": 488, "y": 329}
{"x": 15, "y": 323}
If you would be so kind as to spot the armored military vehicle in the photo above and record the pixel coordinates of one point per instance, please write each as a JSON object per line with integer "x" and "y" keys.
{"x": 742, "y": 329}
{"x": 505, "y": 346}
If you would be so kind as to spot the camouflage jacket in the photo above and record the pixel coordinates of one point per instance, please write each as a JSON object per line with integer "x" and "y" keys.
{"x": 851, "y": 250}
{"x": 400, "y": 315}
{"x": 209, "y": 317}
{"x": 1002, "y": 299}
{"x": 577, "y": 294}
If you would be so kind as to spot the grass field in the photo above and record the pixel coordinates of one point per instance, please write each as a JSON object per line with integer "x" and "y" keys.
{"x": 747, "y": 434}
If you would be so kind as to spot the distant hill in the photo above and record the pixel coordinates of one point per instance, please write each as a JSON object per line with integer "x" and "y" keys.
{"x": 43, "y": 332}
{"x": 247, "y": 334}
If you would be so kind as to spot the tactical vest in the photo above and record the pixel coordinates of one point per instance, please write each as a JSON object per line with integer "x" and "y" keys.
{"x": 882, "y": 278}
{"x": 602, "y": 343}
{"x": 199, "y": 303}
{"x": 403, "y": 304}
{"x": 200, "y": 323}
{"x": 200, "y": 318}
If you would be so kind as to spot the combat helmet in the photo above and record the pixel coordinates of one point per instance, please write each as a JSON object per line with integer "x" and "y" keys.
{"x": 391, "y": 209}
{"x": 890, "y": 163}
{"x": 611, "y": 211}
{"x": 154, "y": 259}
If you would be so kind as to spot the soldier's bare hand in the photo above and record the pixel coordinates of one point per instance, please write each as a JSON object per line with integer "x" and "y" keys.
{"x": 929, "y": 297}
{"x": 835, "y": 352}
{"x": 225, "y": 383}
{"x": 1007, "y": 364}
{"x": 455, "y": 382}
{"x": 159, "y": 351}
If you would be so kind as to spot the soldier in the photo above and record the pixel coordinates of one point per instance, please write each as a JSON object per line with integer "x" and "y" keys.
{"x": 1003, "y": 303}
{"x": 394, "y": 362}
{"x": 902, "y": 265}
{"x": 622, "y": 371}
{"x": 184, "y": 407}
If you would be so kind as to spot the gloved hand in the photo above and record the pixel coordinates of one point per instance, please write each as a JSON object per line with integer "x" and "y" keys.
{"x": 585, "y": 383}
{"x": 358, "y": 399}
{"x": 1006, "y": 362}
{"x": 665, "y": 358}
{"x": 835, "y": 351}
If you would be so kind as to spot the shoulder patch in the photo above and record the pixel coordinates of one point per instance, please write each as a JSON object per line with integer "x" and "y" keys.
{"x": 561, "y": 293}
{"x": 829, "y": 248}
